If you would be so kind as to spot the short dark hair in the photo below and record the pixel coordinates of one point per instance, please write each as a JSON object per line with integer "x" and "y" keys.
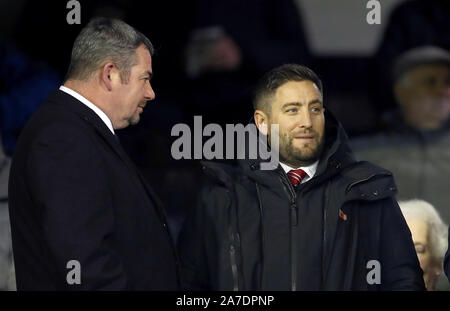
{"x": 272, "y": 80}
{"x": 103, "y": 40}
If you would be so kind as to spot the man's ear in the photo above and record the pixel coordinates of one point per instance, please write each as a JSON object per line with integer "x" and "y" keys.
{"x": 261, "y": 121}
{"x": 108, "y": 74}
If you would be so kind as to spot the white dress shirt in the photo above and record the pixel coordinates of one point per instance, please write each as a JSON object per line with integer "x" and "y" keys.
{"x": 310, "y": 170}
{"x": 93, "y": 107}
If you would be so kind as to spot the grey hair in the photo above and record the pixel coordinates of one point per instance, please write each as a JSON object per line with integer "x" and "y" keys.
{"x": 105, "y": 40}
{"x": 438, "y": 234}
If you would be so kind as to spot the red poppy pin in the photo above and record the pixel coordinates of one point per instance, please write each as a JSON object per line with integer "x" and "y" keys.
{"x": 342, "y": 215}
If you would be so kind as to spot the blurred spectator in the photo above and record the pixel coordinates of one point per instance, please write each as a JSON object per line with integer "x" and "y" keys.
{"x": 7, "y": 275}
{"x": 415, "y": 143}
{"x": 232, "y": 43}
{"x": 209, "y": 55}
{"x": 429, "y": 234}
{"x": 412, "y": 24}
{"x": 24, "y": 85}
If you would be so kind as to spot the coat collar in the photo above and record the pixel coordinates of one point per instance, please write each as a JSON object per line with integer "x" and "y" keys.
{"x": 360, "y": 180}
{"x": 335, "y": 157}
{"x": 85, "y": 113}
{"x": 91, "y": 105}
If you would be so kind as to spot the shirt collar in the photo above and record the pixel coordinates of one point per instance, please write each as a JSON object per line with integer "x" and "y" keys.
{"x": 310, "y": 170}
{"x": 88, "y": 103}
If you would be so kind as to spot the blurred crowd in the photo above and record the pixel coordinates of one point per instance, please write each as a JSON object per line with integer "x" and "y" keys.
{"x": 209, "y": 55}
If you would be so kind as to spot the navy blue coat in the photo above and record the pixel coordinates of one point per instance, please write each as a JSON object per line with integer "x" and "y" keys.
{"x": 75, "y": 195}
{"x": 253, "y": 231}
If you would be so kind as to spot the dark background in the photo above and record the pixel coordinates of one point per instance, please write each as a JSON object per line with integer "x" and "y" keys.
{"x": 352, "y": 58}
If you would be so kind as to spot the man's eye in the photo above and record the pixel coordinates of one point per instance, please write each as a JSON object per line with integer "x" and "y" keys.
{"x": 291, "y": 110}
{"x": 316, "y": 109}
{"x": 430, "y": 81}
{"x": 420, "y": 249}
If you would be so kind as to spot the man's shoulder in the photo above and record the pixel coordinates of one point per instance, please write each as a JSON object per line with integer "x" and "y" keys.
{"x": 222, "y": 179}
{"x": 221, "y": 173}
{"x": 361, "y": 169}
{"x": 46, "y": 125}
{"x": 54, "y": 119}
{"x": 54, "y": 129}
{"x": 367, "y": 181}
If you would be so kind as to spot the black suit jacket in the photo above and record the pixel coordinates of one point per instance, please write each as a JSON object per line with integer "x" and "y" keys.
{"x": 75, "y": 195}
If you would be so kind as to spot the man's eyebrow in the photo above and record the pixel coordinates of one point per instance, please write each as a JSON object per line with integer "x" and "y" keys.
{"x": 298, "y": 104}
{"x": 291, "y": 104}
{"x": 315, "y": 101}
{"x": 148, "y": 74}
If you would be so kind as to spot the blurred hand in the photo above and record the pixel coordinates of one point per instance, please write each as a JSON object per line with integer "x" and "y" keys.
{"x": 212, "y": 55}
{"x": 224, "y": 55}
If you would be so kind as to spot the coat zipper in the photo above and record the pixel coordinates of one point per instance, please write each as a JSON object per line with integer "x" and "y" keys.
{"x": 234, "y": 239}
{"x": 325, "y": 233}
{"x": 293, "y": 232}
{"x": 234, "y": 268}
{"x": 232, "y": 248}
{"x": 263, "y": 241}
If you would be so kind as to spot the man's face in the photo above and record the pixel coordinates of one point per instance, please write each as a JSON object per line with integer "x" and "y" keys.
{"x": 424, "y": 96}
{"x": 131, "y": 97}
{"x": 298, "y": 110}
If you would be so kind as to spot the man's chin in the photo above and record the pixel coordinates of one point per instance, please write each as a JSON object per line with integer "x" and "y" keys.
{"x": 135, "y": 120}
{"x": 306, "y": 155}
{"x": 305, "y": 149}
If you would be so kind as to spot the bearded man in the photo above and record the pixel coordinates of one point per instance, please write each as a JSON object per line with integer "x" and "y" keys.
{"x": 319, "y": 221}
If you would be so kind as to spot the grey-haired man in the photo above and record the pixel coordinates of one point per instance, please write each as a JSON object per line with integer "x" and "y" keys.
{"x": 82, "y": 217}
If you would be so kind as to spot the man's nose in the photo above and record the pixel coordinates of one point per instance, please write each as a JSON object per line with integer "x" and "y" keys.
{"x": 443, "y": 87}
{"x": 304, "y": 119}
{"x": 446, "y": 90}
{"x": 149, "y": 93}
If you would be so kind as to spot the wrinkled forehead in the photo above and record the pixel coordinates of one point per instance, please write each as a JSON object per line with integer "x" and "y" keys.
{"x": 419, "y": 229}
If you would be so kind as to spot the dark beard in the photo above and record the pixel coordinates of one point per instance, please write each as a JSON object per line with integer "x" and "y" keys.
{"x": 295, "y": 157}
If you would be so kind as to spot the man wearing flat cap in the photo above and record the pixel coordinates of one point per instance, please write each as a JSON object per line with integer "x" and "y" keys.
{"x": 415, "y": 143}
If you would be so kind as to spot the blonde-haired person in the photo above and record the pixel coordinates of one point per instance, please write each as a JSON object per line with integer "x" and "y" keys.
{"x": 429, "y": 234}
